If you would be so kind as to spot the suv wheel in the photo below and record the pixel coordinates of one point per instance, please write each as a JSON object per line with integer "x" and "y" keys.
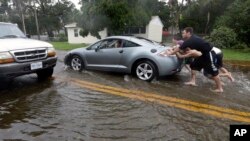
{"x": 45, "y": 73}
{"x": 146, "y": 71}
{"x": 76, "y": 63}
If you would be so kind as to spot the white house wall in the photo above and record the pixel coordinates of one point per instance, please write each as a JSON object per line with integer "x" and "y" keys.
{"x": 154, "y": 29}
{"x": 155, "y": 33}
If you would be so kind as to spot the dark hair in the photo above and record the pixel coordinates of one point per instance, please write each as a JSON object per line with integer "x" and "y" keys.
{"x": 189, "y": 29}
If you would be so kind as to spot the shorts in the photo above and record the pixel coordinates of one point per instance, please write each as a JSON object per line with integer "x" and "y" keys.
{"x": 218, "y": 60}
{"x": 206, "y": 62}
{"x": 188, "y": 60}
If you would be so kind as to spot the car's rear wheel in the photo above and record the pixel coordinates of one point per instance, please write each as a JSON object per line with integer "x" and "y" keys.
{"x": 76, "y": 63}
{"x": 146, "y": 70}
{"x": 45, "y": 73}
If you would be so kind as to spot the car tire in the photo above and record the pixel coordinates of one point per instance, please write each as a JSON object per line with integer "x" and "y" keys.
{"x": 45, "y": 73}
{"x": 5, "y": 84}
{"x": 76, "y": 63}
{"x": 146, "y": 70}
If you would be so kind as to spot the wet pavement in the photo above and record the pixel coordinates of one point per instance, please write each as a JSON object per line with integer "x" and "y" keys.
{"x": 98, "y": 106}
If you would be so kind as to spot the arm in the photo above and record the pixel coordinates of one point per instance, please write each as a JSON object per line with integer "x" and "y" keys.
{"x": 173, "y": 51}
{"x": 191, "y": 53}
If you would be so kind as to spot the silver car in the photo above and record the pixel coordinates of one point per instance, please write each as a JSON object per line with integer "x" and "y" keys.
{"x": 125, "y": 54}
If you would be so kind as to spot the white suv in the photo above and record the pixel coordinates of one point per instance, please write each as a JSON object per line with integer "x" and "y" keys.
{"x": 20, "y": 55}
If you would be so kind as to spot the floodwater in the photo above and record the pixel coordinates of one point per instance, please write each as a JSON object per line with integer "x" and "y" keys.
{"x": 59, "y": 109}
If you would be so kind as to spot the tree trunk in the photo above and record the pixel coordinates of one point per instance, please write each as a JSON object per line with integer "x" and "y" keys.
{"x": 208, "y": 20}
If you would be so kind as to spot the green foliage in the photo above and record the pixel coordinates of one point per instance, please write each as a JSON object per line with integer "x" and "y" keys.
{"x": 237, "y": 17}
{"x": 117, "y": 15}
{"x": 240, "y": 46}
{"x": 223, "y": 37}
{"x": 202, "y": 14}
{"x": 62, "y": 37}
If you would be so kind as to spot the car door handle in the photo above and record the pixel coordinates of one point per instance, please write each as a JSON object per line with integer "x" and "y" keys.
{"x": 121, "y": 51}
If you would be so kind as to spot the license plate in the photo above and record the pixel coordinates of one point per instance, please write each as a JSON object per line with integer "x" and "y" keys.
{"x": 37, "y": 65}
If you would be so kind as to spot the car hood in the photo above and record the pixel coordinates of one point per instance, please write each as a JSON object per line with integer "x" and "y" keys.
{"x": 21, "y": 43}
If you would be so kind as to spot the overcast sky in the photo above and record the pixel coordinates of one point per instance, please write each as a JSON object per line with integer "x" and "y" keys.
{"x": 76, "y": 3}
{"x": 78, "y": 6}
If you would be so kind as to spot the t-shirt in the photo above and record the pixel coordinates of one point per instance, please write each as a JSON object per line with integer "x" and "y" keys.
{"x": 180, "y": 42}
{"x": 197, "y": 43}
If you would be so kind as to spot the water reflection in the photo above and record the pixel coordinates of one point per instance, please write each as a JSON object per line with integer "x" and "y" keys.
{"x": 59, "y": 110}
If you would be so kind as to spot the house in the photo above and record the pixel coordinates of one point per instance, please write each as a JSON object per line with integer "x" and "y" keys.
{"x": 152, "y": 31}
{"x": 74, "y": 36}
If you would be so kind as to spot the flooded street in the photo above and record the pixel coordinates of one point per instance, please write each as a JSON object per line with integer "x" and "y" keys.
{"x": 100, "y": 106}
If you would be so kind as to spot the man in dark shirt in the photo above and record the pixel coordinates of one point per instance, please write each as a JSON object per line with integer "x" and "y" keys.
{"x": 205, "y": 61}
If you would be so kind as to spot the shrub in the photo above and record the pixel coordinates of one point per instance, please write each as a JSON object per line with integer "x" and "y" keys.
{"x": 62, "y": 37}
{"x": 223, "y": 37}
{"x": 240, "y": 46}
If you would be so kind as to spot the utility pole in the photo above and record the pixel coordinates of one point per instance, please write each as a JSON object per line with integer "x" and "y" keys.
{"x": 22, "y": 17}
{"x": 37, "y": 26}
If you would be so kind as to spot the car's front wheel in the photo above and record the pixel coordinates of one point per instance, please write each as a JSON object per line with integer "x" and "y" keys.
{"x": 146, "y": 70}
{"x": 76, "y": 63}
{"x": 45, "y": 73}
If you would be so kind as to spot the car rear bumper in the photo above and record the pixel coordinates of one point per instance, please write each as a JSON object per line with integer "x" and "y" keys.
{"x": 8, "y": 71}
{"x": 169, "y": 66}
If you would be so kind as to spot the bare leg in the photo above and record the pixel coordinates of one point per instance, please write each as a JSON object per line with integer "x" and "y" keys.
{"x": 217, "y": 81}
{"x": 226, "y": 73}
{"x": 193, "y": 79}
{"x": 188, "y": 67}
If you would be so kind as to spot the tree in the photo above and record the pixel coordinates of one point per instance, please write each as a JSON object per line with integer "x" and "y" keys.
{"x": 237, "y": 18}
{"x": 202, "y": 14}
{"x": 4, "y": 8}
{"x": 116, "y": 15}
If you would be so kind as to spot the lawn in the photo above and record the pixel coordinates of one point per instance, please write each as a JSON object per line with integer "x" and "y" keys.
{"x": 229, "y": 54}
{"x": 236, "y": 54}
{"x": 66, "y": 45}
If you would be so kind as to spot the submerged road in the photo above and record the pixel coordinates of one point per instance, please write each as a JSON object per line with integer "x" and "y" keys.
{"x": 99, "y": 106}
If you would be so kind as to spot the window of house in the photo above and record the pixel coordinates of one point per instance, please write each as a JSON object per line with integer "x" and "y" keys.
{"x": 76, "y": 32}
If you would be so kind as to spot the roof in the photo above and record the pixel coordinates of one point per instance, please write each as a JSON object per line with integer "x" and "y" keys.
{"x": 70, "y": 25}
{"x": 155, "y": 20}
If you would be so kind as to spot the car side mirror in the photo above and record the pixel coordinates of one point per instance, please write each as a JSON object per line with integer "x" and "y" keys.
{"x": 97, "y": 49}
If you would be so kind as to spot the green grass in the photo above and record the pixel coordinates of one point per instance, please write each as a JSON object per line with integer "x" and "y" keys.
{"x": 66, "y": 45}
{"x": 236, "y": 54}
{"x": 229, "y": 54}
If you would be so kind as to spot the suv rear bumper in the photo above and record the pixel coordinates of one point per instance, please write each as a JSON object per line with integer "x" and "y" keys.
{"x": 11, "y": 70}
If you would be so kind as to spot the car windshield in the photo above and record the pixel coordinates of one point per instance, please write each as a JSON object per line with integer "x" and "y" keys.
{"x": 10, "y": 31}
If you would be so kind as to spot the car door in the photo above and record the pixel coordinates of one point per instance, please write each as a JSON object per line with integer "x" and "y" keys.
{"x": 105, "y": 56}
{"x": 129, "y": 52}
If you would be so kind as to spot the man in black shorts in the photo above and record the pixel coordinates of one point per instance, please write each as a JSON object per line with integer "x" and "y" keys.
{"x": 219, "y": 64}
{"x": 206, "y": 61}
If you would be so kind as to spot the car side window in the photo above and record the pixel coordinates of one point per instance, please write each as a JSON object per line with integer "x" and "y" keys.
{"x": 95, "y": 46}
{"x": 127, "y": 44}
{"x": 111, "y": 43}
